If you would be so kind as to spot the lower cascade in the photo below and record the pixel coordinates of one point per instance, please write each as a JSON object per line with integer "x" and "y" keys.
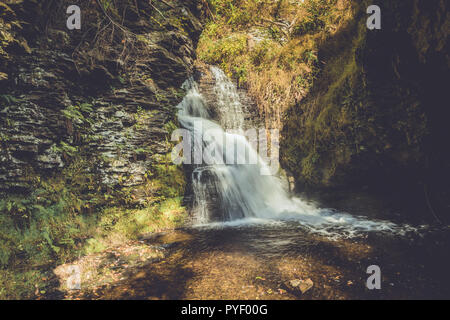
{"x": 234, "y": 194}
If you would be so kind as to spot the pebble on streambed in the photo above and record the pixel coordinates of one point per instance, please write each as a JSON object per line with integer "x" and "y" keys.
{"x": 302, "y": 285}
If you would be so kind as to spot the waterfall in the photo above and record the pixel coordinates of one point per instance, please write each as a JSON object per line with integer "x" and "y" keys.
{"x": 239, "y": 192}
{"x": 240, "y": 189}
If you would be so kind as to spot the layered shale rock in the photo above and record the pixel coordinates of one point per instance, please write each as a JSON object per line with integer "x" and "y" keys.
{"x": 103, "y": 96}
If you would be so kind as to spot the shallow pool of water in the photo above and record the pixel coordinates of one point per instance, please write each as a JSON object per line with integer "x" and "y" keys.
{"x": 259, "y": 260}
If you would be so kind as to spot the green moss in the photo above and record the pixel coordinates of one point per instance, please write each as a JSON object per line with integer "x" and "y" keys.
{"x": 223, "y": 51}
{"x": 79, "y": 114}
{"x": 168, "y": 178}
{"x": 360, "y": 113}
{"x": 36, "y": 234}
{"x": 330, "y": 119}
{"x": 21, "y": 285}
{"x": 8, "y": 99}
{"x": 93, "y": 245}
{"x": 129, "y": 224}
{"x": 335, "y": 97}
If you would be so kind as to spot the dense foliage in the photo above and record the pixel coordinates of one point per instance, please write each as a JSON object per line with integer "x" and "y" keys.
{"x": 271, "y": 47}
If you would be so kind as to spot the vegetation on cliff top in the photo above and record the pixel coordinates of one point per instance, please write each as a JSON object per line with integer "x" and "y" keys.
{"x": 271, "y": 47}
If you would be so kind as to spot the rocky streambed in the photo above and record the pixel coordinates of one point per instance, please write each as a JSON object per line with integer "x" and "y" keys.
{"x": 281, "y": 260}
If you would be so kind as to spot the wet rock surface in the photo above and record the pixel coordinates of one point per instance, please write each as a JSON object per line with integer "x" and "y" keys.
{"x": 206, "y": 82}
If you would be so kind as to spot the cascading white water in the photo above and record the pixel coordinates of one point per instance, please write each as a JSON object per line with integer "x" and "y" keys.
{"x": 228, "y": 100}
{"x": 240, "y": 192}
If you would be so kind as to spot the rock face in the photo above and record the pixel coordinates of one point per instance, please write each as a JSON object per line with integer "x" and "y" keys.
{"x": 102, "y": 97}
{"x": 207, "y": 83}
{"x": 376, "y": 114}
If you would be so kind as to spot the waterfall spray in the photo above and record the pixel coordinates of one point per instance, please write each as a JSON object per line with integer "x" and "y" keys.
{"x": 240, "y": 192}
